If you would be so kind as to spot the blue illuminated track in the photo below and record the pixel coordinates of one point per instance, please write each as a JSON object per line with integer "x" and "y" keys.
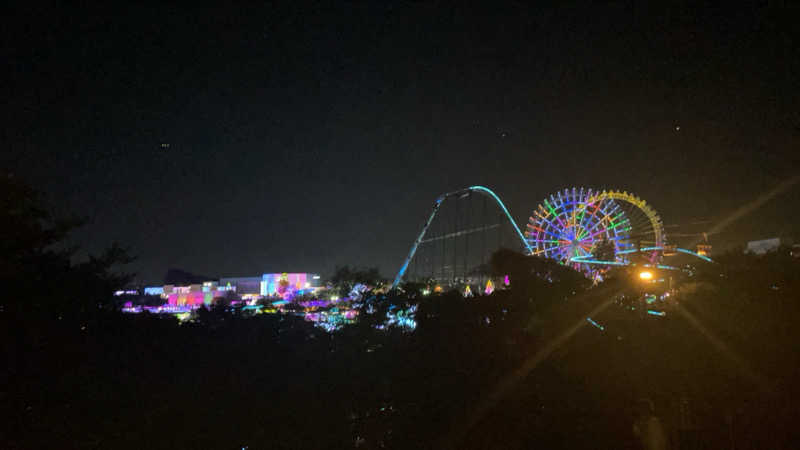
{"x": 682, "y": 250}
{"x": 483, "y": 190}
{"x": 590, "y": 260}
{"x": 489, "y": 192}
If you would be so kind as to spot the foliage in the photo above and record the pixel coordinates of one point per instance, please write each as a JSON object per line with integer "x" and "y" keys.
{"x": 148, "y": 300}
{"x": 345, "y": 278}
{"x": 530, "y": 275}
{"x": 37, "y": 262}
{"x": 604, "y": 250}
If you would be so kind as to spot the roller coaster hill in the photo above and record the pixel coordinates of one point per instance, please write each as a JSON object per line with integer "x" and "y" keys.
{"x": 588, "y": 230}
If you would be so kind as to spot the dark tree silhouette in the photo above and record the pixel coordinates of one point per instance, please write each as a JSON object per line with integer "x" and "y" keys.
{"x": 36, "y": 259}
{"x": 345, "y": 277}
{"x": 604, "y": 250}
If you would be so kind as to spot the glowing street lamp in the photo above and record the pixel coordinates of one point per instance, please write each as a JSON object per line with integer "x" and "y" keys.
{"x": 645, "y": 275}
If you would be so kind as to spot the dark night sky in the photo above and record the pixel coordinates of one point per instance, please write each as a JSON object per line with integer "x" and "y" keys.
{"x": 305, "y": 138}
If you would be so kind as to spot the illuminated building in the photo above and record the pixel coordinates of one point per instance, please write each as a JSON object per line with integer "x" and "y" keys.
{"x": 154, "y": 290}
{"x": 242, "y": 285}
{"x": 126, "y": 292}
{"x": 269, "y": 284}
{"x": 194, "y": 294}
{"x": 249, "y": 289}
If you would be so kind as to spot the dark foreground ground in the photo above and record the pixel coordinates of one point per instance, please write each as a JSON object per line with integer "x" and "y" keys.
{"x": 511, "y": 370}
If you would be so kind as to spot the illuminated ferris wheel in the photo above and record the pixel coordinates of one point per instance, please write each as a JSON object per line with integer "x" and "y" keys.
{"x": 576, "y": 223}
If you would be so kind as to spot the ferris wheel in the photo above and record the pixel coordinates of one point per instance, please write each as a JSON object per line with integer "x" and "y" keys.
{"x": 574, "y": 223}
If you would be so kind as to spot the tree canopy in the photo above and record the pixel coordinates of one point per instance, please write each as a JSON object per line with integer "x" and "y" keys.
{"x": 38, "y": 263}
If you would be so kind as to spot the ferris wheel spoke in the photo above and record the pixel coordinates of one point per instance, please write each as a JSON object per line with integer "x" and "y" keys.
{"x": 612, "y": 239}
{"x": 545, "y": 250}
{"x": 545, "y": 220}
{"x": 574, "y": 214}
{"x": 603, "y": 220}
{"x": 605, "y": 230}
{"x": 545, "y": 231}
{"x": 555, "y": 214}
{"x": 584, "y": 220}
{"x": 592, "y": 216}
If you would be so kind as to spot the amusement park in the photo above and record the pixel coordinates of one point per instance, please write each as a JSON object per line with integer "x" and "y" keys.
{"x": 590, "y": 231}
{"x": 400, "y": 225}
{"x": 590, "y": 310}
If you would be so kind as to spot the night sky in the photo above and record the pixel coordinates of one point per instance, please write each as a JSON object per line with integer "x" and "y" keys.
{"x": 299, "y": 139}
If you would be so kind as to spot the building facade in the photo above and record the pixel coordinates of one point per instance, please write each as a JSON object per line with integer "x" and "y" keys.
{"x": 283, "y": 285}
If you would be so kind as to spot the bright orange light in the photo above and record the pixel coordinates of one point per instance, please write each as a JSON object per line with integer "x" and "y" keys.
{"x": 646, "y": 275}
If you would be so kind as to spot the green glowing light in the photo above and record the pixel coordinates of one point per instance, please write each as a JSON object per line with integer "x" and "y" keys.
{"x": 546, "y": 203}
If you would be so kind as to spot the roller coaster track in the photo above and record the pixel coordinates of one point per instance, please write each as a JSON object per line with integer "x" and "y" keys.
{"x": 441, "y": 199}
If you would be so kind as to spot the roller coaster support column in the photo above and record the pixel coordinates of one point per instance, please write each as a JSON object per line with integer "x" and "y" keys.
{"x": 411, "y": 253}
{"x": 460, "y": 194}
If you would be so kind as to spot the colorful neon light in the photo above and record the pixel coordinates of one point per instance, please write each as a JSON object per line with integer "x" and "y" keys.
{"x": 589, "y": 260}
{"x": 589, "y": 319}
{"x": 154, "y": 290}
{"x": 569, "y": 226}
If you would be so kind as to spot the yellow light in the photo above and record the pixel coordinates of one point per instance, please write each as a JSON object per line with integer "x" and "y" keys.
{"x": 646, "y": 275}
